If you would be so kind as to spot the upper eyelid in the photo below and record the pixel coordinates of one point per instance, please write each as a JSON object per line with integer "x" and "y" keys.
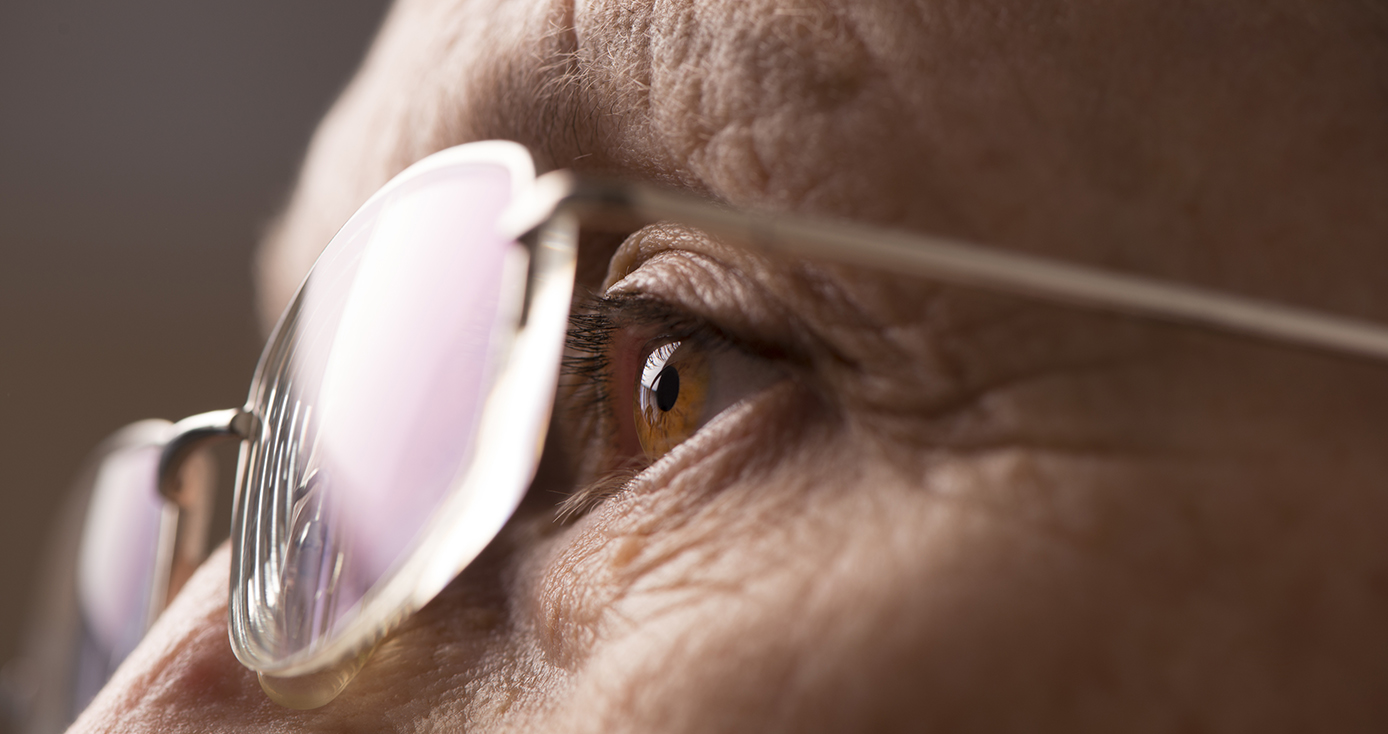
{"x": 627, "y": 311}
{"x": 597, "y": 322}
{"x": 719, "y": 286}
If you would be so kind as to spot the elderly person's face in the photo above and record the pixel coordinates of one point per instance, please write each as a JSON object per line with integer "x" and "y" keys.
{"x": 935, "y": 509}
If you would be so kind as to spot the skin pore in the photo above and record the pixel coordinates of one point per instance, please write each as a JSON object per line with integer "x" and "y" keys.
{"x": 954, "y": 510}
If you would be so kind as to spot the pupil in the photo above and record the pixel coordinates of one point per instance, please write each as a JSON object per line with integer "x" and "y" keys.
{"x": 667, "y": 389}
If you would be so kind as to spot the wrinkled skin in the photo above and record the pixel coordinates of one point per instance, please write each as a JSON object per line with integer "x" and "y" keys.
{"x": 959, "y": 511}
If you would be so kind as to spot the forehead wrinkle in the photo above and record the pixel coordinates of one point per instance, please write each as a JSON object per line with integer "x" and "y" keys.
{"x": 965, "y": 120}
{"x": 718, "y": 81}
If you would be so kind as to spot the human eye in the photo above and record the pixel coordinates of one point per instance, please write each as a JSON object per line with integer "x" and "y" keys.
{"x": 641, "y": 378}
{"x": 683, "y": 383}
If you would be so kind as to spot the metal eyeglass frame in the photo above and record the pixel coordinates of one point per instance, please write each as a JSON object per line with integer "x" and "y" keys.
{"x": 545, "y": 218}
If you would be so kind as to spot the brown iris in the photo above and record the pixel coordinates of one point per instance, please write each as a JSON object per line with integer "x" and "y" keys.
{"x": 671, "y": 390}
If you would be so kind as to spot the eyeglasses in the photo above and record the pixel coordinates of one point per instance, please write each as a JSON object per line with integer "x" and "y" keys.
{"x": 397, "y": 415}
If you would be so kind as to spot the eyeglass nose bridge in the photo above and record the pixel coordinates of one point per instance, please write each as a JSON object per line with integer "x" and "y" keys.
{"x": 188, "y": 481}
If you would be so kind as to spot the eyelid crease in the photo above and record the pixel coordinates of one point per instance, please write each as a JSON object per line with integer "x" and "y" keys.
{"x": 626, "y": 309}
{"x": 725, "y": 288}
{"x": 630, "y": 310}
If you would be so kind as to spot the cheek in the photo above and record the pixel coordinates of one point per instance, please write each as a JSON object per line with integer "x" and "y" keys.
{"x": 183, "y": 674}
{"x": 814, "y": 584}
{"x": 680, "y": 531}
{"x": 737, "y": 596}
{"x": 737, "y": 577}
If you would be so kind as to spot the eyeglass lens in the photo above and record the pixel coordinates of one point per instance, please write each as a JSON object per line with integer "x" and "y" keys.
{"x": 369, "y": 396}
{"x": 116, "y": 565}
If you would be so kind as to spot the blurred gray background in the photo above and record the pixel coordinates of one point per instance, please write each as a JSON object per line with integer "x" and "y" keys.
{"x": 144, "y": 145}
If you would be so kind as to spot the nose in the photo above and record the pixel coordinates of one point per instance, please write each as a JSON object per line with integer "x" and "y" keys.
{"x": 183, "y": 676}
{"x": 453, "y": 658}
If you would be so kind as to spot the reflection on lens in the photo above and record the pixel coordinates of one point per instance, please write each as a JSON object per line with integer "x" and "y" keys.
{"x": 368, "y": 396}
{"x": 117, "y": 560}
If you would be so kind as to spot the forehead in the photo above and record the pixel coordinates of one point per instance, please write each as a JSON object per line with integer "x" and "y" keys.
{"x": 1187, "y": 141}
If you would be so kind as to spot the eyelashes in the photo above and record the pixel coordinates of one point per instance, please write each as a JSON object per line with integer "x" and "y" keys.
{"x": 592, "y": 494}
{"x": 586, "y": 385}
{"x": 586, "y": 367}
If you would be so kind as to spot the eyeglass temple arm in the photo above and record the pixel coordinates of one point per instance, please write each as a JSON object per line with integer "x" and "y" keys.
{"x": 187, "y": 480}
{"x": 955, "y": 262}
